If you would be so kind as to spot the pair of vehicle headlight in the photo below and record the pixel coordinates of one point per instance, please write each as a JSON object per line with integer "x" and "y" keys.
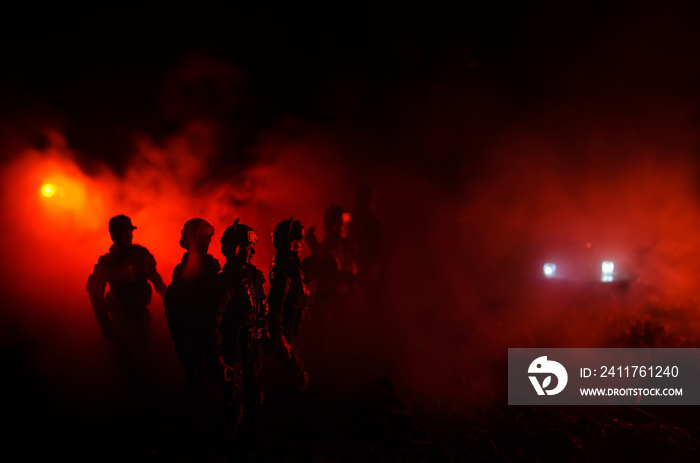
{"x": 607, "y": 268}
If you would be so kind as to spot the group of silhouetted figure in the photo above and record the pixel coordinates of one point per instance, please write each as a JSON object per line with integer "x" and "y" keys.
{"x": 221, "y": 317}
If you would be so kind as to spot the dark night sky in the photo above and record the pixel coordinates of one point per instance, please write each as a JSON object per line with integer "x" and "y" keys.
{"x": 98, "y": 69}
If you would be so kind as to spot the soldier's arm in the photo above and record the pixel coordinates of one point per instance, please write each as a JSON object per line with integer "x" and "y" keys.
{"x": 215, "y": 324}
{"x": 173, "y": 293}
{"x": 154, "y": 276}
{"x": 96, "y": 285}
{"x": 280, "y": 284}
{"x": 213, "y": 320}
{"x": 173, "y": 312}
{"x": 264, "y": 307}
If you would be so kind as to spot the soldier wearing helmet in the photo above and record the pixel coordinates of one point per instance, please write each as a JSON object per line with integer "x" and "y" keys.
{"x": 239, "y": 325}
{"x": 331, "y": 267}
{"x": 333, "y": 259}
{"x": 191, "y": 299}
{"x": 123, "y": 313}
{"x": 287, "y": 297}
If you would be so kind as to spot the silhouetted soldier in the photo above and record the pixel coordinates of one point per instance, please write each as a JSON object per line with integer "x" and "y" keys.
{"x": 287, "y": 297}
{"x": 191, "y": 299}
{"x": 127, "y": 268}
{"x": 331, "y": 267}
{"x": 240, "y": 325}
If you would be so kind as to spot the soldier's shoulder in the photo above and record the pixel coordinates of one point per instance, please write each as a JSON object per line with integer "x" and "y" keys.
{"x": 138, "y": 249}
{"x": 178, "y": 269}
{"x": 141, "y": 253}
{"x": 104, "y": 259}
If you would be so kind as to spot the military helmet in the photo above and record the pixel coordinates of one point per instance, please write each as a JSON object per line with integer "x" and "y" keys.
{"x": 237, "y": 235}
{"x": 196, "y": 231}
{"x": 334, "y": 214}
{"x": 120, "y": 223}
{"x": 285, "y": 232}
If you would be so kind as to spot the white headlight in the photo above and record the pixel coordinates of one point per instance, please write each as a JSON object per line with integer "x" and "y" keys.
{"x": 549, "y": 270}
{"x": 608, "y": 267}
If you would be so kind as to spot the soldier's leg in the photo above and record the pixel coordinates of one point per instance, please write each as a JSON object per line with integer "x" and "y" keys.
{"x": 233, "y": 402}
{"x": 253, "y": 362}
{"x": 295, "y": 366}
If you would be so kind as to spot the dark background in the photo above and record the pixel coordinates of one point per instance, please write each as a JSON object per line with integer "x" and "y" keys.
{"x": 100, "y": 68}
